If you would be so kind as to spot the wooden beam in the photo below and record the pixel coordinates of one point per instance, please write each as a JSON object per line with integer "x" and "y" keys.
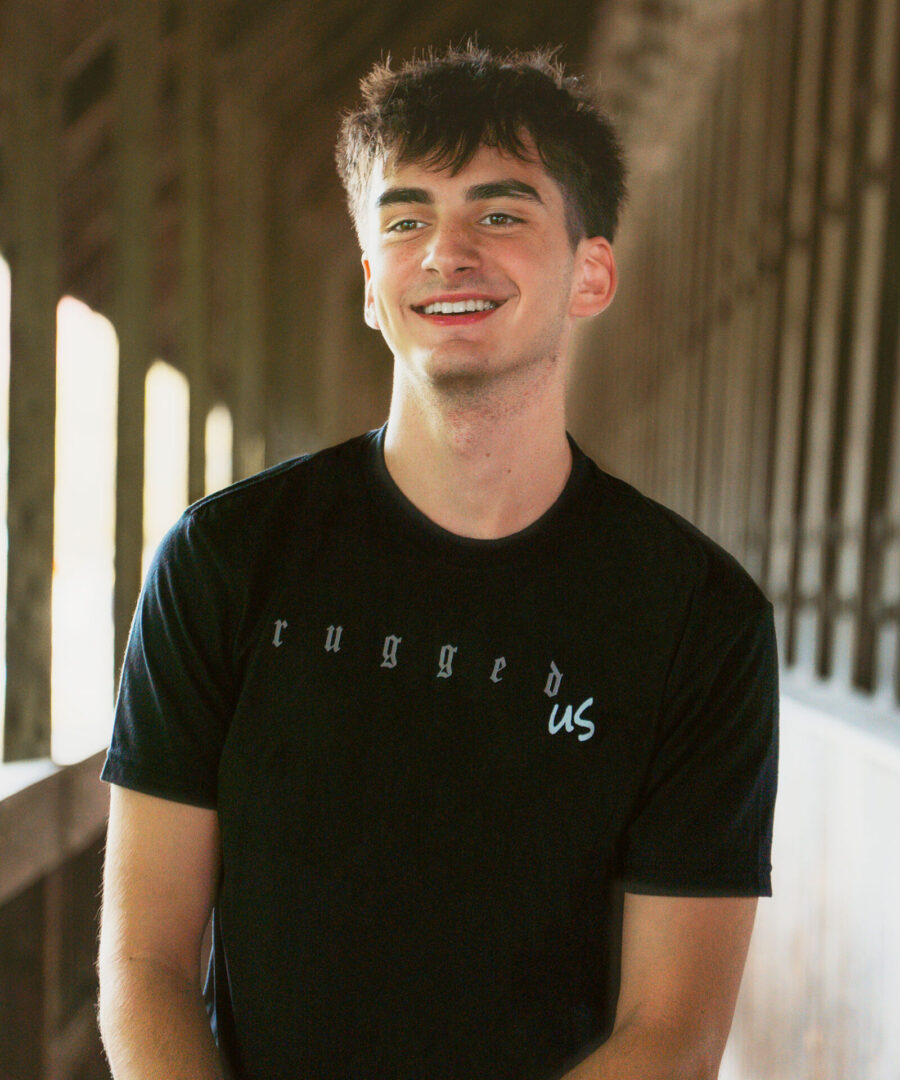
{"x": 136, "y": 89}
{"x": 306, "y": 110}
{"x": 792, "y": 377}
{"x": 868, "y": 637}
{"x": 831, "y": 317}
{"x": 32, "y": 194}
{"x": 755, "y": 78}
{"x": 193, "y": 294}
{"x": 243, "y": 252}
{"x": 779, "y": 41}
{"x": 284, "y": 43}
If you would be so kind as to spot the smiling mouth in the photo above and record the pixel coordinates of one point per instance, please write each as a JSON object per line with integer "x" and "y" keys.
{"x": 457, "y": 307}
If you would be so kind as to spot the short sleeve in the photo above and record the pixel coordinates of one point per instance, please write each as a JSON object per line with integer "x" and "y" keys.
{"x": 176, "y": 692}
{"x": 703, "y": 825}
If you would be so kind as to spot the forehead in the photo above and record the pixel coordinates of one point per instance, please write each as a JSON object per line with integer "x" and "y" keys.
{"x": 487, "y": 165}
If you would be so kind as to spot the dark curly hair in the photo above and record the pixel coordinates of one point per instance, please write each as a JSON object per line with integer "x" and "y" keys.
{"x": 440, "y": 108}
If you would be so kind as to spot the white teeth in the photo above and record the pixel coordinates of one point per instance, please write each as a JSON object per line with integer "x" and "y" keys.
{"x": 455, "y": 307}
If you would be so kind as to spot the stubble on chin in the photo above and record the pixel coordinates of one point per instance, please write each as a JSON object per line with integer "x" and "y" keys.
{"x": 484, "y": 394}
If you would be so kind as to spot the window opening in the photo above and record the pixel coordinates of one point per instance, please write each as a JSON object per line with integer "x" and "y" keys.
{"x": 166, "y": 420}
{"x": 83, "y": 664}
{"x": 219, "y": 443}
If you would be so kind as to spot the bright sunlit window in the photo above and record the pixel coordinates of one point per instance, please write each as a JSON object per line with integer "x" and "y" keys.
{"x": 4, "y": 468}
{"x": 165, "y": 452}
{"x": 87, "y": 363}
{"x": 219, "y": 437}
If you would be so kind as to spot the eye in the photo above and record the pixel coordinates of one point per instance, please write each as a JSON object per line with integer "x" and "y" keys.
{"x": 498, "y": 217}
{"x": 406, "y": 225}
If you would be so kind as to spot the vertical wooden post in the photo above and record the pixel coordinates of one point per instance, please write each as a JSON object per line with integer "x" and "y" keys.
{"x": 755, "y": 77}
{"x": 779, "y": 41}
{"x": 707, "y": 447}
{"x": 31, "y": 193}
{"x": 244, "y": 178}
{"x": 296, "y": 370}
{"x": 864, "y": 638}
{"x": 193, "y": 293}
{"x": 683, "y": 405}
{"x": 669, "y": 341}
{"x": 136, "y": 154}
{"x": 253, "y": 359}
{"x": 792, "y": 389}
{"x": 882, "y": 580}
{"x": 677, "y": 398}
{"x": 694, "y": 282}
{"x": 831, "y": 314}
{"x": 730, "y": 357}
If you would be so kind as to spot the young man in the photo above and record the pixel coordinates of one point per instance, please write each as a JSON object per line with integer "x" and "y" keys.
{"x": 470, "y": 746}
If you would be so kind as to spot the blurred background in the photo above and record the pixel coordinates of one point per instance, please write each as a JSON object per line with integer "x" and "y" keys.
{"x": 181, "y": 305}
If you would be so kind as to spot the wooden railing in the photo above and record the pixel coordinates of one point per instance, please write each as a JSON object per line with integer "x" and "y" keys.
{"x": 52, "y": 826}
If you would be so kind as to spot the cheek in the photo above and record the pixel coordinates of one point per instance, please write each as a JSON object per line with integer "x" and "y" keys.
{"x": 392, "y": 286}
{"x": 384, "y": 308}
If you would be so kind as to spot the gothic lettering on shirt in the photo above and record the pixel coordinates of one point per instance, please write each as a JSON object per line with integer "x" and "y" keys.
{"x": 553, "y": 680}
{"x": 445, "y": 661}
{"x": 391, "y": 643}
{"x": 563, "y": 718}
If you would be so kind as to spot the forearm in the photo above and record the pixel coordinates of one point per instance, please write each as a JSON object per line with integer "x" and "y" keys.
{"x": 649, "y": 1052}
{"x": 154, "y": 1025}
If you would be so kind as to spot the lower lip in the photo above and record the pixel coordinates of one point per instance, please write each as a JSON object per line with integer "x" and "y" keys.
{"x": 464, "y": 318}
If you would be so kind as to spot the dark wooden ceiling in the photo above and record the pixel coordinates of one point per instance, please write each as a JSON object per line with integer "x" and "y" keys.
{"x": 285, "y": 70}
{"x": 296, "y": 65}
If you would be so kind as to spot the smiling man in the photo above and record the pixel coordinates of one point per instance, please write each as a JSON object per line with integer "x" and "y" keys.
{"x": 474, "y": 282}
{"x": 469, "y": 746}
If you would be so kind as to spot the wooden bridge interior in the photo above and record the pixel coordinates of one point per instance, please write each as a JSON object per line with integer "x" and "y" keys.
{"x": 169, "y": 164}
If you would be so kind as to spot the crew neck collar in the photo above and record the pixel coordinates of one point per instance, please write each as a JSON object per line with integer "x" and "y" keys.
{"x": 400, "y": 517}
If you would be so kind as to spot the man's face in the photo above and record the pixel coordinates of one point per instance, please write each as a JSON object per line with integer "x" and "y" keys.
{"x": 469, "y": 277}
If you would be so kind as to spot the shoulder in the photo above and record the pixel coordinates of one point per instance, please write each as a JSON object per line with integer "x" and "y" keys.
{"x": 243, "y": 518}
{"x": 323, "y": 474}
{"x": 247, "y": 524}
{"x": 665, "y": 549}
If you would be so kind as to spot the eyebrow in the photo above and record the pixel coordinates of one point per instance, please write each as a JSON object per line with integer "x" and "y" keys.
{"x": 495, "y": 189}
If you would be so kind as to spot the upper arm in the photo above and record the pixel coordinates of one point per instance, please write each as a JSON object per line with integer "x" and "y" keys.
{"x": 682, "y": 961}
{"x": 163, "y": 864}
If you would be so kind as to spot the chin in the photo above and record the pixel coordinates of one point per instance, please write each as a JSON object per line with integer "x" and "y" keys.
{"x": 450, "y": 370}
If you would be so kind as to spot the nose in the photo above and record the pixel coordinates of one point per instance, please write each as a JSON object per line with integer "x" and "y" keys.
{"x": 451, "y": 250}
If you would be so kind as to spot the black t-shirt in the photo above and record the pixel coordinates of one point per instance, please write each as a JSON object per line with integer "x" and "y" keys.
{"x": 438, "y": 761}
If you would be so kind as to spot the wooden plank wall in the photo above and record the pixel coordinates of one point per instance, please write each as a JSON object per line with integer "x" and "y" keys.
{"x": 746, "y": 375}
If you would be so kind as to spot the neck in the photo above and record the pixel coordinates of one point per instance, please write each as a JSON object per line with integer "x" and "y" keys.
{"x": 479, "y": 468}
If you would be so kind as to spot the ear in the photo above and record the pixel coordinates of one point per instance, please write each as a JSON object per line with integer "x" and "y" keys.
{"x": 369, "y": 302}
{"x": 595, "y": 279}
